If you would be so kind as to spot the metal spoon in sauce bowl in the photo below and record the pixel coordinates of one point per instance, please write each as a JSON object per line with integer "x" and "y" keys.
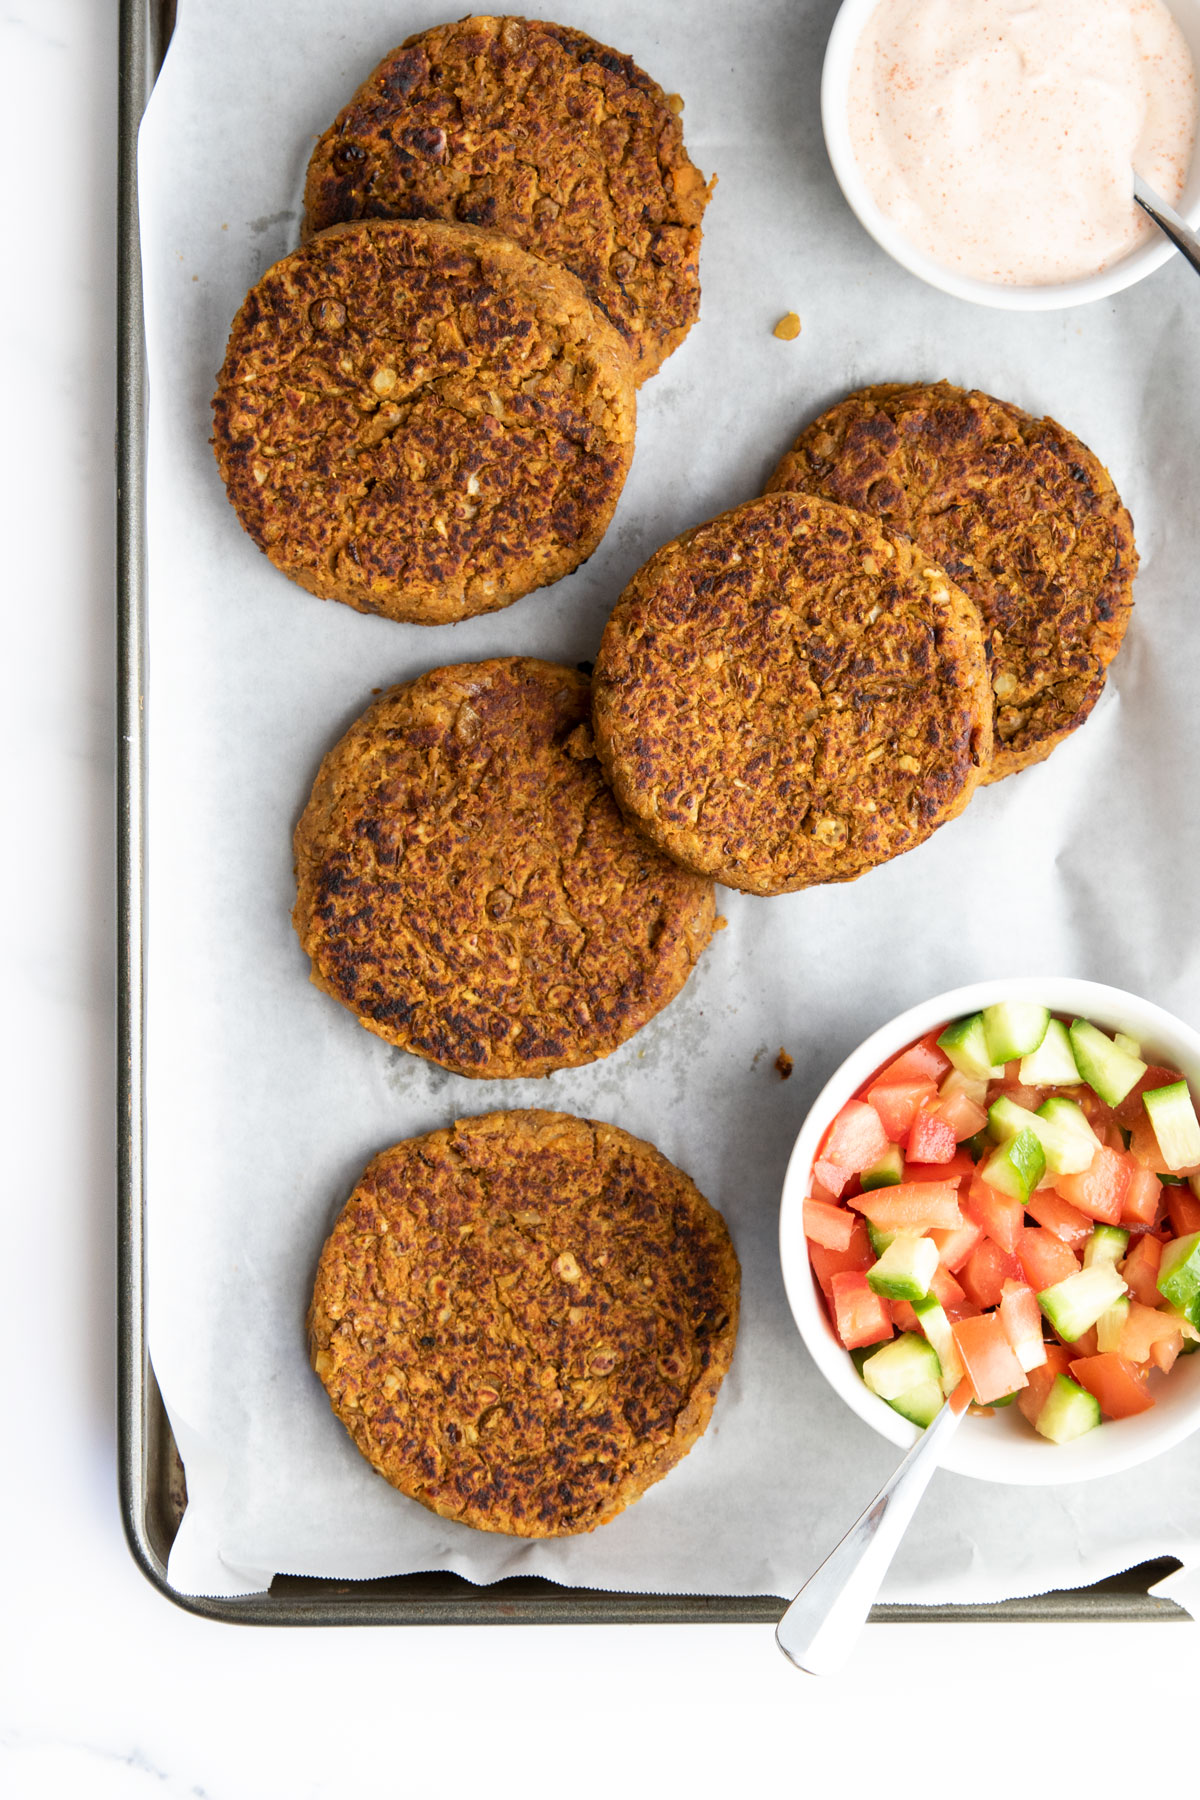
{"x": 1167, "y": 220}
{"x": 820, "y": 1628}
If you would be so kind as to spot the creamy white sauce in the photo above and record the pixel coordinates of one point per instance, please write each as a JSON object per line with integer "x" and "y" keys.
{"x": 998, "y": 135}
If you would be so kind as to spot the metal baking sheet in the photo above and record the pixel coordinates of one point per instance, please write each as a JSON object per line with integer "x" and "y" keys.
{"x": 153, "y": 1491}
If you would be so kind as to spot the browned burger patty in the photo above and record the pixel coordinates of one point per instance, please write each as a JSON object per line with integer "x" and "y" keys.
{"x": 1018, "y": 512}
{"x": 469, "y": 888}
{"x": 547, "y": 135}
{"x": 523, "y": 1321}
{"x": 423, "y": 420}
{"x": 790, "y": 695}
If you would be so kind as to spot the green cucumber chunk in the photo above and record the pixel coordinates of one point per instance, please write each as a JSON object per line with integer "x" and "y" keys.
{"x": 1052, "y": 1064}
{"x": 887, "y": 1172}
{"x": 879, "y": 1239}
{"x": 1016, "y": 1167}
{"x": 971, "y": 1087}
{"x": 965, "y": 1043}
{"x": 906, "y": 1268}
{"x": 938, "y": 1330}
{"x": 1129, "y": 1045}
{"x": 1074, "y": 1305}
{"x": 1107, "y": 1244}
{"x": 906, "y": 1363}
{"x": 1014, "y": 1028}
{"x": 1175, "y": 1124}
{"x": 1179, "y": 1276}
{"x": 920, "y": 1404}
{"x": 1106, "y": 1069}
{"x": 1110, "y": 1325}
{"x": 1068, "y": 1141}
{"x": 1068, "y": 1412}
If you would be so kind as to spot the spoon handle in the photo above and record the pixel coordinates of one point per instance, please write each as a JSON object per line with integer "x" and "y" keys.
{"x": 821, "y": 1627}
{"x": 1168, "y": 220}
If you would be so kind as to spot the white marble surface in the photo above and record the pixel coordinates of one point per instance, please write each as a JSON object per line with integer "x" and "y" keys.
{"x": 105, "y": 1689}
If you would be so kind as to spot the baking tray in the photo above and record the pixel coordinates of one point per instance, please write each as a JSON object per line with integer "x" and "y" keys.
{"x": 153, "y": 1491}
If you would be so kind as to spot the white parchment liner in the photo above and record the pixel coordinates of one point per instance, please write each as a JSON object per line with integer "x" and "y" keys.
{"x": 266, "y": 1099}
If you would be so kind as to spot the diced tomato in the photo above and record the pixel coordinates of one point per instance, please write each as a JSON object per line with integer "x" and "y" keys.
{"x": 1002, "y": 1219}
{"x": 1164, "y": 1351}
{"x": 896, "y": 1102}
{"x": 956, "y": 1245}
{"x": 1144, "y": 1327}
{"x": 1028, "y": 1097}
{"x": 1067, "y": 1223}
{"x": 1132, "y": 1107}
{"x": 859, "y": 1315}
{"x": 1139, "y": 1271}
{"x": 856, "y": 1257}
{"x": 962, "y": 1115}
{"x": 903, "y": 1316}
{"x": 832, "y": 1226}
{"x": 922, "y": 1062}
{"x": 1145, "y": 1147}
{"x": 820, "y": 1191}
{"x": 1114, "y": 1382}
{"x": 960, "y": 1164}
{"x": 1143, "y": 1197}
{"x": 945, "y": 1289}
{"x": 988, "y": 1358}
{"x": 930, "y": 1138}
{"x": 1044, "y": 1259}
{"x": 1086, "y": 1345}
{"x": 1100, "y": 1190}
{"x": 986, "y": 1270}
{"x": 913, "y": 1206}
{"x": 1183, "y": 1210}
{"x": 1098, "y": 1114}
{"x": 1032, "y": 1399}
{"x": 1021, "y": 1317}
{"x": 856, "y": 1139}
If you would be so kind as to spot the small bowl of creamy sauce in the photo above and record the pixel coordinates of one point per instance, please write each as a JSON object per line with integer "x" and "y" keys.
{"x": 988, "y": 145}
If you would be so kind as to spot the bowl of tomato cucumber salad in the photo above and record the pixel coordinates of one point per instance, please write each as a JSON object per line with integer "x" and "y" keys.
{"x": 1002, "y": 1186}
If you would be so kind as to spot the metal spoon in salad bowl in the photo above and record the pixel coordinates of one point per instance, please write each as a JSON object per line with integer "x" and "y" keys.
{"x": 820, "y": 1628}
{"x": 1167, "y": 220}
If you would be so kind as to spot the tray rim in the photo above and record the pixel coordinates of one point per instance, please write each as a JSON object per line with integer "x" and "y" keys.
{"x": 150, "y": 1475}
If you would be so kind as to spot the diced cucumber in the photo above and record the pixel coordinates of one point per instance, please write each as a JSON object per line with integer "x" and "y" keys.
{"x": 1072, "y": 1134}
{"x": 1014, "y": 1028}
{"x": 1110, "y": 1325}
{"x": 887, "y": 1172}
{"x": 1068, "y": 1141}
{"x": 1004, "y": 1400}
{"x": 879, "y": 1239}
{"x": 1175, "y": 1124}
{"x": 977, "y": 1146}
{"x": 1179, "y": 1276}
{"x": 1016, "y": 1167}
{"x": 1052, "y": 1064}
{"x": 971, "y": 1087}
{"x": 1073, "y": 1306}
{"x": 1068, "y": 1412}
{"x": 1129, "y": 1045}
{"x": 1173, "y": 1180}
{"x": 920, "y": 1404}
{"x": 937, "y": 1329}
{"x": 1106, "y": 1069}
{"x": 1107, "y": 1244}
{"x": 1191, "y": 1333}
{"x": 906, "y": 1268}
{"x": 965, "y": 1043}
{"x": 906, "y": 1363}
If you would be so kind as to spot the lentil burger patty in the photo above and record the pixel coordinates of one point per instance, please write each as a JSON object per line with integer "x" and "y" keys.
{"x": 423, "y": 420}
{"x": 1018, "y": 512}
{"x": 523, "y": 1321}
{"x": 468, "y": 887}
{"x": 791, "y": 694}
{"x": 545, "y": 134}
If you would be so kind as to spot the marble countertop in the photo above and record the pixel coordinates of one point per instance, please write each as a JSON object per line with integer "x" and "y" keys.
{"x": 105, "y": 1688}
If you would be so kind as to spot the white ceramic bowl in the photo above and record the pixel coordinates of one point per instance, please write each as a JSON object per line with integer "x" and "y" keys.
{"x": 835, "y": 85}
{"x": 1001, "y": 1447}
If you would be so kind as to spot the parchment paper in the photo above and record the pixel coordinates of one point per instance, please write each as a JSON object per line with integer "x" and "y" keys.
{"x": 266, "y": 1099}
